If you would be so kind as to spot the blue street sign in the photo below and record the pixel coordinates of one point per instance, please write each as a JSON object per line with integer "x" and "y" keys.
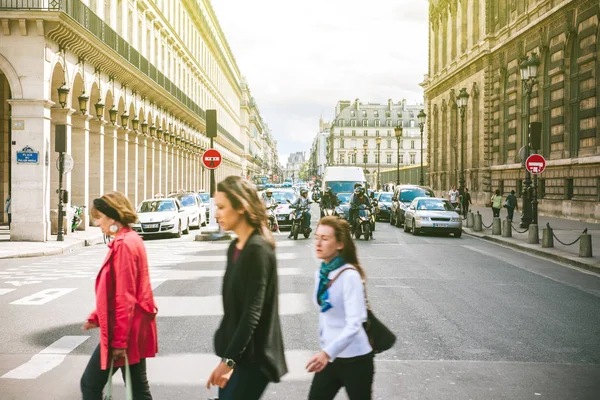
{"x": 28, "y": 156}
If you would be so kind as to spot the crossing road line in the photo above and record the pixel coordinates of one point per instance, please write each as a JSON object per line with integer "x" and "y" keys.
{"x": 47, "y": 359}
{"x": 42, "y": 297}
{"x": 223, "y": 258}
{"x": 4, "y": 291}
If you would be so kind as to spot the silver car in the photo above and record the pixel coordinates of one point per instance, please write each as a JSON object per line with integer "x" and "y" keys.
{"x": 158, "y": 216}
{"x": 429, "y": 214}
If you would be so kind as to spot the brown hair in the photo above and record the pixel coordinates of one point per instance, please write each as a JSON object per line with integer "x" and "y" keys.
{"x": 122, "y": 206}
{"x": 342, "y": 235}
{"x": 242, "y": 195}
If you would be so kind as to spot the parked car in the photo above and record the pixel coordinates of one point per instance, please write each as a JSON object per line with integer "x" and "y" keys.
{"x": 205, "y": 197}
{"x": 194, "y": 208}
{"x": 160, "y": 216}
{"x": 401, "y": 199}
{"x": 282, "y": 212}
{"x": 426, "y": 214}
{"x": 384, "y": 205}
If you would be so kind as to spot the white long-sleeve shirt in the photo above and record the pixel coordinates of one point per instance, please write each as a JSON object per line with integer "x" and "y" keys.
{"x": 341, "y": 332}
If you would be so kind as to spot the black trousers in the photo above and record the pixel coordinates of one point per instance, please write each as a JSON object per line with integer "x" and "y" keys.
{"x": 246, "y": 383}
{"x": 496, "y": 212}
{"x": 355, "y": 374}
{"x": 94, "y": 379}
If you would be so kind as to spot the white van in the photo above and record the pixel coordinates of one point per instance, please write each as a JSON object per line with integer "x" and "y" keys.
{"x": 342, "y": 179}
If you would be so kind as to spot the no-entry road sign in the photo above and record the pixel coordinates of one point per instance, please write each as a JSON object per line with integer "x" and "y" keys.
{"x": 211, "y": 158}
{"x": 535, "y": 164}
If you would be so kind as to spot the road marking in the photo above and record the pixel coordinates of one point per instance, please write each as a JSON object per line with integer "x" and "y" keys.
{"x": 4, "y": 291}
{"x": 197, "y": 306}
{"x": 175, "y": 275}
{"x": 223, "y": 258}
{"x": 42, "y": 297}
{"x": 47, "y": 359}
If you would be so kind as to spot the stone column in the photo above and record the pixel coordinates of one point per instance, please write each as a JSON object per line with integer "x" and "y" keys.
{"x": 97, "y": 167}
{"x": 110, "y": 158}
{"x": 157, "y": 160}
{"x": 122, "y": 166}
{"x": 149, "y": 189}
{"x": 165, "y": 168}
{"x": 60, "y": 116}
{"x": 80, "y": 151}
{"x": 132, "y": 170}
{"x": 30, "y": 183}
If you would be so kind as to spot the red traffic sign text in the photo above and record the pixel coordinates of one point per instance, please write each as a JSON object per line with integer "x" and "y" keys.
{"x": 535, "y": 164}
{"x": 211, "y": 158}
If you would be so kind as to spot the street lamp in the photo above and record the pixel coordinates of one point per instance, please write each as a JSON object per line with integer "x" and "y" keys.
{"x": 529, "y": 70}
{"x": 398, "y": 133}
{"x": 421, "y": 118}
{"x": 83, "y": 103}
{"x": 365, "y": 157}
{"x": 378, "y": 141}
{"x": 113, "y": 112}
{"x": 355, "y": 153}
{"x": 63, "y": 91}
{"x": 99, "y": 109}
{"x": 462, "y": 99}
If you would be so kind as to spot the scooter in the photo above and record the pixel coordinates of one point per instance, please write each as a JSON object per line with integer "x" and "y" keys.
{"x": 76, "y": 221}
{"x": 297, "y": 217}
{"x": 362, "y": 223}
{"x": 272, "y": 218}
{"x": 316, "y": 195}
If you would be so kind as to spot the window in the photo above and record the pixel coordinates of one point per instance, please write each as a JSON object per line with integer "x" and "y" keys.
{"x": 342, "y": 158}
{"x": 388, "y": 123}
{"x": 353, "y": 132}
{"x": 340, "y": 122}
{"x": 399, "y": 123}
{"x": 366, "y": 133}
{"x": 376, "y": 114}
{"x": 389, "y": 143}
{"x": 342, "y": 143}
{"x": 352, "y": 114}
{"x": 365, "y": 122}
{"x": 412, "y": 158}
{"x": 401, "y": 158}
{"x": 412, "y": 144}
{"x": 412, "y": 123}
{"x": 387, "y": 114}
{"x": 341, "y": 132}
{"x": 400, "y": 115}
{"x": 364, "y": 114}
{"x": 365, "y": 142}
{"x": 353, "y": 122}
{"x": 377, "y": 122}
{"x": 389, "y": 159}
{"x": 389, "y": 133}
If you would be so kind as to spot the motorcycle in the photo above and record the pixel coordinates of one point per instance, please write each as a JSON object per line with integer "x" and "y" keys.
{"x": 272, "y": 218}
{"x": 316, "y": 195}
{"x": 297, "y": 217}
{"x": 76, "y": 220}
{"x": 363, "y": 223}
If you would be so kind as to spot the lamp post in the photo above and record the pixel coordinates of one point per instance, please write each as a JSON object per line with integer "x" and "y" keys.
{"x": 462, "y": 99}
{"x": 398, "y": 133}
{"x": 355, "y": 153}
{"x": 528, "y": 67}
{"x": 365, "y": 157}
{"x": 421, "y": 118}
{"x": 378, "y": 141}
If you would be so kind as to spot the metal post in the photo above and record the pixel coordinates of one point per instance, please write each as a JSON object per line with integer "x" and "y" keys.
{"x": 421, "y": 181}
{"x": 378, "y": 166}
{"x": 461, "y": 179}
{"x": 213, "y": 186}
{"x": 61, "y": 165}
{"x": 526, "y": 218}
{"x": 534, "y": 202}
{"x": 398, "y": 161}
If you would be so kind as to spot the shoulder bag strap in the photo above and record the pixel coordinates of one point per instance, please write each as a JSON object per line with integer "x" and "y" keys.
{"x": 337, "y": 276}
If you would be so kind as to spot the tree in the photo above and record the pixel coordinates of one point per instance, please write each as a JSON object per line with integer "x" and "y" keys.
{"x": 304, "y": 173}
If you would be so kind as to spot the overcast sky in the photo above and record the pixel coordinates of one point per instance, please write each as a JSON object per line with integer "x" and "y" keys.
{"x": 301, "y": 57}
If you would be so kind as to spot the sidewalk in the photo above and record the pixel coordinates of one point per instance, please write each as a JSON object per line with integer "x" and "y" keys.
{"x": 565, "y": 229}
{"x": 72, "y": 241}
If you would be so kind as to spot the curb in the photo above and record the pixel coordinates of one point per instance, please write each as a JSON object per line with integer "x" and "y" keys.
{"x": 551, "y": 256}
{"x": 57, "y": 250}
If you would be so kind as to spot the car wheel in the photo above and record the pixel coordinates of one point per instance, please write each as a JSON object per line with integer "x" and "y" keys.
{"x": 458, "y": 234}
{"x": 178, "y": 234}
{"x": 414, "y": 229}
{"x": 405, "y": 228}
{"x": 187, "y": 227}
{"x": 391, "y": 219}
{"x": 397, "y": 221}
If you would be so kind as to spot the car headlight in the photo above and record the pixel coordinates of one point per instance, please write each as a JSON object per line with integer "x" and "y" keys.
{"x": 168, "y": 219}
{"x": 455, "y": 219}
{"x": 420, "y": 218}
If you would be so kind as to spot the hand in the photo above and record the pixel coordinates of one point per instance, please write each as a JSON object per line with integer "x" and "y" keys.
{"x": 220, "y": 376}
{"x": 318, "y": 362}
{"x": 118, "y": 353}
{"x": 89, "y": 325}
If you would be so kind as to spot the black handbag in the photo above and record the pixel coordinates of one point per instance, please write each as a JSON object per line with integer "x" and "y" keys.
{"x": 380, "y": 336}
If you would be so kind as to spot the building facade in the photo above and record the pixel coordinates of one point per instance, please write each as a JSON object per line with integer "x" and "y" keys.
{"x": 318, "y": 150}
{"x": 131, "y": 81}
{"x": 479, "y": 46}
{"x": 357, "y": 124}
{"x": 294, "y": 164}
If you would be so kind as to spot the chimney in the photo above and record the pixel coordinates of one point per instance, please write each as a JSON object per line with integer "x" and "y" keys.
{"x": 357, "y": 104}
{"x": 390, "y": 102}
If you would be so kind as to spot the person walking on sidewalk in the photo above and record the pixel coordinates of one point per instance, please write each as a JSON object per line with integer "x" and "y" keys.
{"x": 249, "y": 340}
{"x": 466, "y": 201}
{"x": 511, "y": 204}
{"x": 7, "y": 209}
{"x": 453, "y": 196}
{"x": 125, "y": 308}
{"x": 496, "y": 203}
{"x": 346, "y": 356}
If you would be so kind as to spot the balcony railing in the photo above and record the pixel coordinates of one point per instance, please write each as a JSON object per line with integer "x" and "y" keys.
{"x": 95, "y": 25}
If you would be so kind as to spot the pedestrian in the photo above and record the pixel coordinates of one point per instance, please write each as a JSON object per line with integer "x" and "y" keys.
{"x": 511, "y": 204}
{"x": 453, "y": 196}
{"x": 249, "y": 340}
{"x": 496, "y": 203}
{"x": 346, "y": 356}
{"x": 7, "y": 209}
{"x": 125, "y": 308}
{"x": 466, "y": 201}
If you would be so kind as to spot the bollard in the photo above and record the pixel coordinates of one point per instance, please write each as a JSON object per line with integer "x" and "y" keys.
{"x": 477, "y": 226}
{"x": 506, "y": 228}
{"x": 547, "y": 237}
{"x": 585, "y": 245}
{"x": 496, "y": 226}
{"x": 534, "y": 235}
{"x": 469, "y": 219}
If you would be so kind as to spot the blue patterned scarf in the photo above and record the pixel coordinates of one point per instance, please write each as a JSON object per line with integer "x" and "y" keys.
{"x": 322, "y": 295}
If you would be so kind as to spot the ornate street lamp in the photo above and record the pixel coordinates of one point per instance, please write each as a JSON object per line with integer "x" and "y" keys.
{"x": 462, "y": 100}
{"x": 365, "y": 158}
{"x": 159, "y": 133}
{"x": 135, "y": 123}
{"x": 398, "y": 133}
{"x": 124, "y": 120}
{"x": 63, "y": 91}
{"x": 83, "y": 103}
{"x": 529, "y": 69}
{"x": 145, "y": 128}
{"x": 113, "y": 112}
{"x": 421, "y": 118}
{"x": 99, "y": 109}
{"x": 355, "y": 153}
{"x": 378, "y": 141}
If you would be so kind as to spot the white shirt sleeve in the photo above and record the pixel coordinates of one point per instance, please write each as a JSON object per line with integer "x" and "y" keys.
{"x": 356, "y": 314}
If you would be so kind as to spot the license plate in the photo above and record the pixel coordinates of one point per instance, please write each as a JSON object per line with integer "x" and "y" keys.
{"x": 150, "y": 225}
{"x": 440, "y": 225}
{"x": 281, "y": 218}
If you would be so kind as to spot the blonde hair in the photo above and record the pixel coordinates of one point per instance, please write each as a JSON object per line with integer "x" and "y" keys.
{"x": 122, "y": 206}
{"x": 342, "y": 235}
{"x": 242, "y": 195}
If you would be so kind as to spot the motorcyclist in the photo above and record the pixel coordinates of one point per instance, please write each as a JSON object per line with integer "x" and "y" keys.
{"x": 269, "y": 201}
{"x": 357, "y": 200}
{"x": 329, "y": 200}
{"x": 303, "y": 202}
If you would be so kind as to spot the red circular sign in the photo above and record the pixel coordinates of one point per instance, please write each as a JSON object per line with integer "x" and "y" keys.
{"x": 211, "y": 158}
{"x": 535, "y": 164}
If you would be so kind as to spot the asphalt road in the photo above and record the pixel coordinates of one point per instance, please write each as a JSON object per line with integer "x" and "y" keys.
{"x": 474, "y": 320}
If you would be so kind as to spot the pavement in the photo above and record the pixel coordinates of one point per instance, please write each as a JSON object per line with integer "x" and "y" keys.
{"x": 564, "y": 229}
{"x": 52, "y": 247}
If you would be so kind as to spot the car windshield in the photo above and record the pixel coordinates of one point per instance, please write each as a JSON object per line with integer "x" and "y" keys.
{"x": 342, "y": 186}
{"x": 187, "y": 201}
{"x": 156, "y": 206}
{"x": 344, "y": 198}
{"x": 435, "y": 205}
{"x": 281, "y": 197}
{"x": 408, "y": 195}
{"x": 205, "y": 197}
{"x": 385, "y": 197}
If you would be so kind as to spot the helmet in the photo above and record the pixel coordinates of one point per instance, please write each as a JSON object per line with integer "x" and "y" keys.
{"x": 328, "y": 190}
{"x": 360, "y": 191}
{"x": 303, "y": 191}
{"x": 269, "y": 192}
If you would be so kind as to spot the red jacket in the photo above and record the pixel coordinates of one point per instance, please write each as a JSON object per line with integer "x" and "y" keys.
{"x": 125, "y": 308}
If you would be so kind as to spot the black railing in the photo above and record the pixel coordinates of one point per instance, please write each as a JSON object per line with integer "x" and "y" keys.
{"x": 90, "y": 21}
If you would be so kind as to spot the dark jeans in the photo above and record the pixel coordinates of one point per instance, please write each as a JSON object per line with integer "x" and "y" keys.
{"x": 496, "y": 211}
{"x": 94, "y": 379}
{"x": 307, "y": 219}
{"x": 355, "y": 374}
{"x": 247, "y": 383}
{"x": 511, "y": 211}
{"x": 465, "y": 209}
{"x": 9, "y": 219}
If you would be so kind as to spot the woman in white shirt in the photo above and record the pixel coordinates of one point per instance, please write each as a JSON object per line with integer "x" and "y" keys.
{"x": 346, "y": 358}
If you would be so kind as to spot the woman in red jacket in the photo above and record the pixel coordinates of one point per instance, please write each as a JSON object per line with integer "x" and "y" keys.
{"x": 125, "y": 309}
